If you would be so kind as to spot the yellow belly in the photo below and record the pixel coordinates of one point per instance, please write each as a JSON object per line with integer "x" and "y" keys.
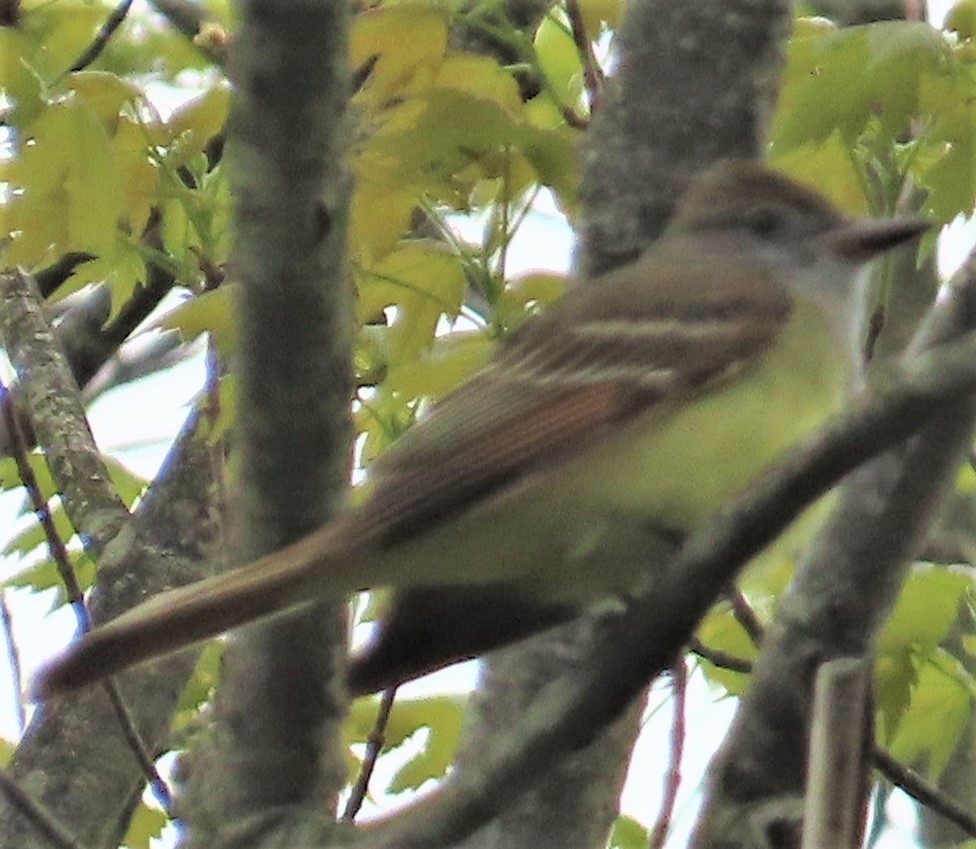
{"x": 681, "y": 468}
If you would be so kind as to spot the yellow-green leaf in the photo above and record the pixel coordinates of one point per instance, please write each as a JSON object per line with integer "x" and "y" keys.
{"x": 424, "y": 282}
{"x": 212, "y": 312}
{"x": 193, "y": 125}
{"x": 926, "y": 609}
{"x": 450, "y": 361}
{"x": 145, "y": 825}
{"x": 559, "y": 60}
{"x": 401, "y": 41}
{"x": 482, "y": 77}
{"x": 939, "y": 711}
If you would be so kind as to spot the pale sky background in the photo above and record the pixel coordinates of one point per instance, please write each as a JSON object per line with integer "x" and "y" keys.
{"x": 162, "y": 403}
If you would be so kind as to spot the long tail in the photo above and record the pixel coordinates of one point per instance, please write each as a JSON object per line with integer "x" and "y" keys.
{"x": 173, "y": 620}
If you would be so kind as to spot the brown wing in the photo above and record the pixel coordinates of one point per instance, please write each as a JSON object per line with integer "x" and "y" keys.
{"x": 637, "y": 339}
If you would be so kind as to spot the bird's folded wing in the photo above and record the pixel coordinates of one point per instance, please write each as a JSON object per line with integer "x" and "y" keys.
{"x": 623, "y": 348}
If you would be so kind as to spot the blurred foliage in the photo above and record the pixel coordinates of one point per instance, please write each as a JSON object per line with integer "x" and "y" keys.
{"x": 95, "y": 159}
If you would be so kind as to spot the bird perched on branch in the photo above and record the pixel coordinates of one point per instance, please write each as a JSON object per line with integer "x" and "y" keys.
{"x": 649, "y": 395}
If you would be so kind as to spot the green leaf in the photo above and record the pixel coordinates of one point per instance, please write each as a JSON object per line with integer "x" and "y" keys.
{"x": 106, "y": 95}
{"x": 559, "y": 60}
{"x": 212, "y": 312}
{"x": 424, "y": 281}
{"x": 381, "y": 420}
{"x": 34, "y": 535}
{"x": 62, "y": 31}
{"x": 44, "y": 575}
{"x": 946, "y": 164}
{"x": 17, "y": 80}
{"x": 147, "y": 823}
{"x": 405, "y": 42}
{"x": 840, "y": 80}
{"x": 925, "y": 612}
{"x": 523, "y": 297}
{"x": 939, "y": 712}
{"x": 449, "y": 362}
{"x": 198, "y": 690}
{"x": 827, "y": 167}
{"x": 481, "y": 77}
{"x": 437, "y": 135}
{"x": 441, "y": 715}
{"x": 926, "y": 609}
{"x": 961, "y": 18}
{"x": 895, "y": 676}
{"x": 10, "y": 476}
{"x": 73, "y": 197}
{"x": 139, "y": 174}
{"x": 127, "y": 483}
{"x": 7, "y": 750}
{"x": 628, "y": 834}
{"x": 191, "y": 127}
{"x": 122, "y": 269}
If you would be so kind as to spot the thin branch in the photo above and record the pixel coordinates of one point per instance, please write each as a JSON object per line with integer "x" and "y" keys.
{"x": 592, "y": 73}
{"x": 59, "y": 552}
{"x": 13, "y": 656}
{"x": 374, "y": 746}
{"x": 679, "y": 683}
{"x": 36, "y": 813}
{"x": 102, "y": 38}
{"x": 745, "y": 615}
{"x": 138, "y": 746}
{"x": 923, "y": 791}
{"x": 50, "y": 278}
{"x": 719, "y": 658}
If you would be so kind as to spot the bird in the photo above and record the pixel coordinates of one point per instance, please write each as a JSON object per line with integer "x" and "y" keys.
{"x": 650, "y": 394}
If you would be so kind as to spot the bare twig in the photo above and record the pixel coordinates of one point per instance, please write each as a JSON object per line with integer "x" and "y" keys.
{"x": 13, "y": 655}
{"x": 374, "y": 745}
{"x": 138, "y": 746}
{"x": 745, "y": 615}
{"x": 59, "y": 552}
{"x": 719, "y": 658}
{"x": 592, "y": 73}
{"x": 923, "y": 791}
{"x": 102, "y": 38}
{"x": 679, "y": 683}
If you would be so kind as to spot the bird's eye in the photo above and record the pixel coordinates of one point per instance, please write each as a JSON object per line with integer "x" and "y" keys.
{"x": 764, "y": 221}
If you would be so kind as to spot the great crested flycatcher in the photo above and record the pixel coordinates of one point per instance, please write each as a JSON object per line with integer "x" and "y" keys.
{"x": 653, "y": 393}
